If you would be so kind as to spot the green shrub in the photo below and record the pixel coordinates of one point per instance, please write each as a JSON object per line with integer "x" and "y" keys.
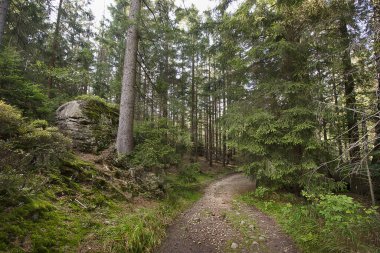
{"x": 39, "y": 123}
{"x": 262, "y": 192}
{"x": 16, "y": 178}
{"x": 15, "y": 89}
{"x": 189, "y": 173}
{"x": 341, "y": 212}
{"x": 10, "y": 121}
{"x": 326, "y": 223}
{"x": 28, "y": 155}
{"x": 159, "y": 145}
{"x": 154, "y": 154}
{"x": 45, "y": 148}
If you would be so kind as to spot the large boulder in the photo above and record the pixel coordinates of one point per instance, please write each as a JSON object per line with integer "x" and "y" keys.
{"x": 91, "y": 123}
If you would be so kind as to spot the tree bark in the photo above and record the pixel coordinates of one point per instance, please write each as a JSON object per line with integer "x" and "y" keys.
{"x": 124, "y": 141}
{"x": 357, "y": 184}
{"x": 4, "y": 6}
{"x": 365, "y": 160}
{"x": 210, "y": 109}
{"x": 376, "y": 47}
{"x": 193, "y": 103}
{"x": 350, "y": 97}
{"x": 339, "y": 132}
{"x": 224, "y": 154}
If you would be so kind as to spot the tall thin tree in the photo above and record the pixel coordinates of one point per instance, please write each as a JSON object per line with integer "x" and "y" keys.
{"x": 55, "y": 45}
{"x": 4, "y": 5}
{"x": 376, "y": 47}
{"x": 124, "y": 141}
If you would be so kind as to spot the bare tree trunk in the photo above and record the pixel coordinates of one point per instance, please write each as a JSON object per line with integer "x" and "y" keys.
{"x": 4, "y": 5}
{"x": 152, "y": 103}
{"x": 193, "y": 106}
{"x": 196, "y": 120}
{"x": 140, "y": 96}
{"x": 54, "y": 47}
{"x": 206, "y": 150}
{"x": 210, "y": 133}
{"x": 376, "y": 28}
{"x": 216, "y": 115}
{"x": 351, "y": 114}
{"x": 349, "y": 92}
{"x": 335, "y": 93}
{"x": 145, "y": 102}
{"x": 210, "y": 107}
{"x": 224, "y": 113}
{"x": 124, "y": 141}
{"x": 365, "y": 159}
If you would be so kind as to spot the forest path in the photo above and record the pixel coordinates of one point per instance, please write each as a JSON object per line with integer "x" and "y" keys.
{"x": 217, "y": 223}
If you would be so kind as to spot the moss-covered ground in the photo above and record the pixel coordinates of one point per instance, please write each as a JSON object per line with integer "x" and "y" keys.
{"x": 75, "y": 214}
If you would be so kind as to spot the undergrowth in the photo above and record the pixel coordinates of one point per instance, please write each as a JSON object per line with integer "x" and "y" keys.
{"x": 325, "y": 223}
{"x": 69, "y": 216}
{"x": 141, "y": 229}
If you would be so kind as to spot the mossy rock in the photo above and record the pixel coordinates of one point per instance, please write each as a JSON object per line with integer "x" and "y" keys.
{"x": 90, "y": 122}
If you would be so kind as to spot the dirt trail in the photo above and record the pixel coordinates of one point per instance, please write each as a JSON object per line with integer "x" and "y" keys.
{"x": 216, "y": 224}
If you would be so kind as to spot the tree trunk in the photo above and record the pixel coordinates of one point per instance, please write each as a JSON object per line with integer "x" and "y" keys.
{"x": 356, "y": 182}
{"x": 339, "y": 132}
{"x": 349, "y": 92}
{"x": 54, "y": 47}
{"x": 193, "y": 103}
{"x": 210, "y": 124}
{"x": 224, "y": 154}
{"x": 206, "y": 149}
{"x": 138, "y": 110}
{"x": 145, "y": 101}
{"x": 376, "y": 47}
{"x": 124, "y": 141}
{"x": 4, "y": 5}
{"x": 365, "y": 160}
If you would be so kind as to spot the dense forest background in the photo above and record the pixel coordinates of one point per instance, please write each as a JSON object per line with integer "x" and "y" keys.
{"x": 291, "y": 84}
{"x": 288, "y": 89}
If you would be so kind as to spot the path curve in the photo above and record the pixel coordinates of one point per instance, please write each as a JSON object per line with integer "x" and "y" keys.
{"x": 205, "y": 228}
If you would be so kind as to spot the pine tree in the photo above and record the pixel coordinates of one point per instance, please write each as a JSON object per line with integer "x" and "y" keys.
{"x": 124, "y": 141}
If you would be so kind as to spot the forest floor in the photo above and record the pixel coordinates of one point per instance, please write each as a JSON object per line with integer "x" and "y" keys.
{"x": 219, "y": 223}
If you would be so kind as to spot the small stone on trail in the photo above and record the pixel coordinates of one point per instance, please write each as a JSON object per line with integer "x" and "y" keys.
{"x": 234, "y": 245}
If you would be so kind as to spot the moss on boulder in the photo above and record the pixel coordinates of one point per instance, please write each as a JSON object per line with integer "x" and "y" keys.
{"x": 90, "y": 122}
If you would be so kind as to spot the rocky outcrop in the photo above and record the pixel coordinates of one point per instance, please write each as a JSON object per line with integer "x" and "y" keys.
{"x": 90, "y": 123}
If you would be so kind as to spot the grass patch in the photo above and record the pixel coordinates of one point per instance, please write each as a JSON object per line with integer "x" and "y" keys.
{"x": 323, "y": 226}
